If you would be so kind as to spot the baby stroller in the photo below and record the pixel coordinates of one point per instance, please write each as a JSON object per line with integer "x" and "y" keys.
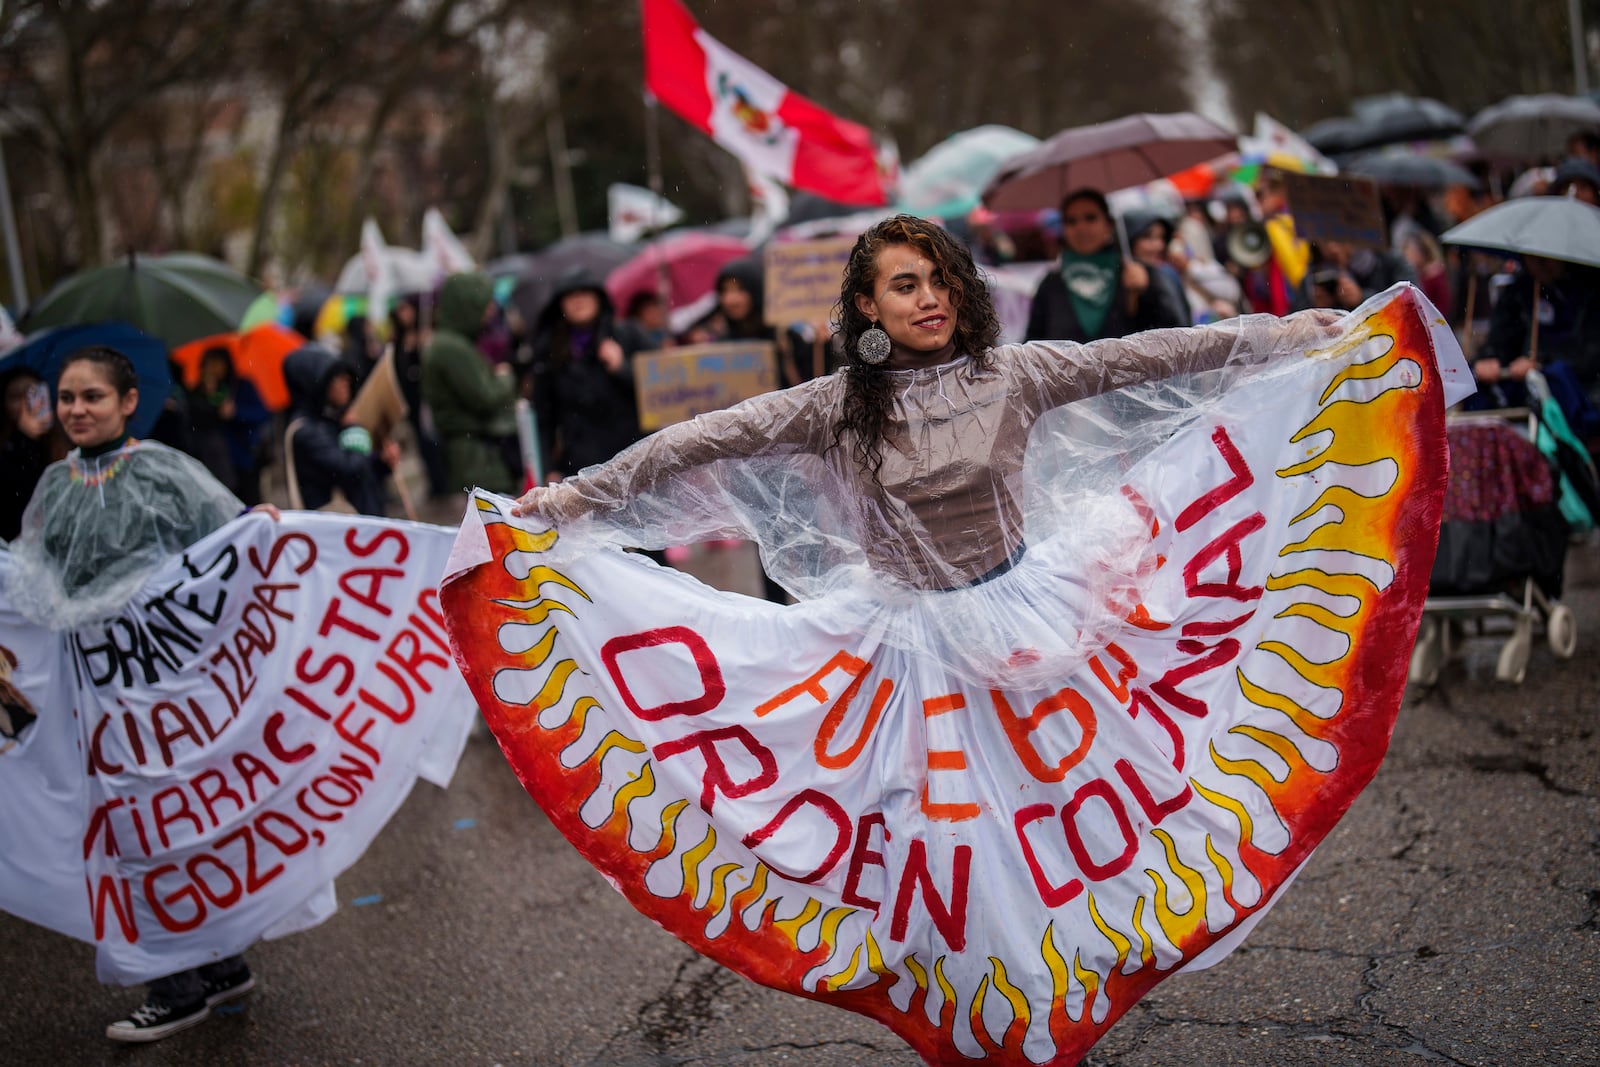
{"x": 1516, "y": 496}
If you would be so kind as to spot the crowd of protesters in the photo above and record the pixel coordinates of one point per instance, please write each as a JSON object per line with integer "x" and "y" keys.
{"x": 448, "y": 368}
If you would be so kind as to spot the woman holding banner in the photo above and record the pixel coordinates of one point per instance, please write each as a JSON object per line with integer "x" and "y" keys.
{"x": 1101, "y": 638}
{"x": 102, "y": 521}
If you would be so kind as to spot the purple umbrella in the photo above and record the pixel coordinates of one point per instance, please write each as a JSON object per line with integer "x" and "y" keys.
{"x": 1107, "y": 156}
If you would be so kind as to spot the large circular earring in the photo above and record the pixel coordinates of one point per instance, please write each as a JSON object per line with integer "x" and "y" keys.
{"x": 872, "y": 347}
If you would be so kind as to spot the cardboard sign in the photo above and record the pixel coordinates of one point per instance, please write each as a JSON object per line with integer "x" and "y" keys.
{"x": 1336, "y": 209}
{"x": 678, "y": 384}
{"x": 803, "y": 279}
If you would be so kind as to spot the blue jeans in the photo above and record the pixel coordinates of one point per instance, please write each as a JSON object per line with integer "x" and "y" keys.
{"x": 187, "y": 987}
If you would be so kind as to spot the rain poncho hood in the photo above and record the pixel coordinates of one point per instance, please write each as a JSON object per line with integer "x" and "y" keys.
{"x": 97, "y": 528}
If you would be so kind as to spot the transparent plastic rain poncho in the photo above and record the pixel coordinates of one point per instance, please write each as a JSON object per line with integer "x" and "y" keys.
{"x": 97, "y": 528}
{"x": 1000, "y": 486}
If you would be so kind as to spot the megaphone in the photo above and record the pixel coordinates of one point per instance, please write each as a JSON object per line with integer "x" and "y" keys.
{"x": 1248, "y": 245}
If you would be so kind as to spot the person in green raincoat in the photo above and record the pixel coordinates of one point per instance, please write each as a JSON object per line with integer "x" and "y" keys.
{"x": 473, "y": 404}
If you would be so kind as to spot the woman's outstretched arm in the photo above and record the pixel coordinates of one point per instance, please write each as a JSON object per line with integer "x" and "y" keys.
{"x": 790, "y": 421}
{"x": 1067, "y": 371}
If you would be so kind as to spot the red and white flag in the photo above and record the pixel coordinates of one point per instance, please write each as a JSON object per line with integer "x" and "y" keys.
{"x": 773, "y": 131}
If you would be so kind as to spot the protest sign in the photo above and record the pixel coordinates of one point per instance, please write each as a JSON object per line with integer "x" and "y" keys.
{"x": 198, "y": 768}
{"x": 997, "y": 870}
{"x": 803, "y": 278}
{"x": 680, "y": 383}
{"x": 1336, "y": 209}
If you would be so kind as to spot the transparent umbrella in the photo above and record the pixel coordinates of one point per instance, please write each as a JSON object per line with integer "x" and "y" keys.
{"x": 948, "y": 181}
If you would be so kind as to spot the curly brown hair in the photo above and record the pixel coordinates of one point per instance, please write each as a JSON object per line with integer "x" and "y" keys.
{"x": 867, "y": 393}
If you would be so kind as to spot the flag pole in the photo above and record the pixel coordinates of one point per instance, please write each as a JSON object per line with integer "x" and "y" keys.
{"x": 652, "y": 140}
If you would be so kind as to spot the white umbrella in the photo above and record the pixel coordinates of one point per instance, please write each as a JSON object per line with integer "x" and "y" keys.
{"x": 1555, "y": 227}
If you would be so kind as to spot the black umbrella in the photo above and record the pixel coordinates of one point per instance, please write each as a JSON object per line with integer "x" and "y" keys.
{"x": 1336, "y": 136}
{"x": 1412, "y": 169}
{"x": 1383, "y": 120}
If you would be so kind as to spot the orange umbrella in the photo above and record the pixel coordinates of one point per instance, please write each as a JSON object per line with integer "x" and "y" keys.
{"x": 257, "y": 355}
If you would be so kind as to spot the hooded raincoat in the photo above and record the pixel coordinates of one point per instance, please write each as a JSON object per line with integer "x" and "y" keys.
{"x": 473, "y": 409}
{"x": 322, "y": 462}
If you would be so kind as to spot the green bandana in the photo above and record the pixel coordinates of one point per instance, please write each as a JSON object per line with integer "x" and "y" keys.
{"x": 1091, "y": 283}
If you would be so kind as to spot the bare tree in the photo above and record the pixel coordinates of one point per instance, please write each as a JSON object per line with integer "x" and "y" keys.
{"x": 76, "y": 69}
{"x": 1303, "y": 60}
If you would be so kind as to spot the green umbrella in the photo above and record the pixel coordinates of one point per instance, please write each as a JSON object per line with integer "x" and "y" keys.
{"x": 1555, "y": 227}
{"x": 264, "y": 308}
{"x": 179, "y": 298}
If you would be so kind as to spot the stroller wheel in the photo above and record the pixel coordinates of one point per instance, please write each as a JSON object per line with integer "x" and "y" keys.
{"x": 1428, "y": 654}
{"x": 1562, "y": 631}
{"x": 1513, "y": 663}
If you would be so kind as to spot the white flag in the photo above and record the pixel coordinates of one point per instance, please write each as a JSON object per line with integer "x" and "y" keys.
{"x": 636, "y": 211}
{"x": 444, "y": 251}
{"x": 1273, "y": 137}
{"x": 380, "y": 273}
{"x": 769, "y": 205}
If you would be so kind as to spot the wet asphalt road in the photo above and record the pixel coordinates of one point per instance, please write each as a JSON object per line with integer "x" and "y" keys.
{"x": 1453, "y": 917}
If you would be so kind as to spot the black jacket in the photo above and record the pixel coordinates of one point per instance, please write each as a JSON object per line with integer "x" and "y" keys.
{"x": 586, "y": 413}
{"x": 321, "y": 463}
{"x": 1051, "y": 318}
{"x": 1571, "y": 326}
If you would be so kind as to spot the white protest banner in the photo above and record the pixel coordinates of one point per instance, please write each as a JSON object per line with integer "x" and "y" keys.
{"x": 991, "y": 849}
{"x": 190, "y": 774}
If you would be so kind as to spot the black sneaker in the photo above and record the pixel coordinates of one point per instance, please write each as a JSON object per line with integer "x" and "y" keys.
{"x": 155, "y": 1019}
{"x": 221, "y": 990}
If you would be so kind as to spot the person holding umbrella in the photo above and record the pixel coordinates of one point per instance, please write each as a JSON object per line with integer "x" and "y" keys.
{"x": 1550, "y": 311}
{"x": 1562, "y": 320}
{"x": 100, "y": 523}
{"x": 1096, "y": 292}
